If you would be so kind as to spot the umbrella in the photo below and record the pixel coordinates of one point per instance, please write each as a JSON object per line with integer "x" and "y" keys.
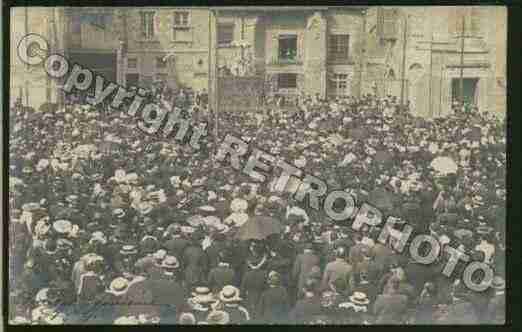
{"x": 444, "y": 165}
{"x": 259, "y": 227}
{"x": 381, "y": 199}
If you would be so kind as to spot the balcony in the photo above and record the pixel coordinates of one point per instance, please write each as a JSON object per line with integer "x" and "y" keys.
{"x": 286, "y": 60}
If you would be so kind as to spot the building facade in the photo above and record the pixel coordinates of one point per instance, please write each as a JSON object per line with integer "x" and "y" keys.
{"x": 303, "y": 49}
{"x": 417, "y": 53}
{"x": 429, "y": 47}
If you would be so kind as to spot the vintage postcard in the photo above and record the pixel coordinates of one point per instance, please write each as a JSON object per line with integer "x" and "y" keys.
{"x": 293, "y": 165}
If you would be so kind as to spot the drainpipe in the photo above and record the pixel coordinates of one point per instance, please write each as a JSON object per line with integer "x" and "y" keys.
{"x": 362, "y": 62}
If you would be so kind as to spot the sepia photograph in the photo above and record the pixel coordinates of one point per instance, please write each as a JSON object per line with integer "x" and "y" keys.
{"x": 256, "y": 165}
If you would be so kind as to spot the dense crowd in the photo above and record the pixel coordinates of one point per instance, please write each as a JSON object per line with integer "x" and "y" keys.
{"x": 110, "y": 225}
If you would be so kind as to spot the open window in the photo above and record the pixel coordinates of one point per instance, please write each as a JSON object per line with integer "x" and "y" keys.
{"x": 288, "y": 48}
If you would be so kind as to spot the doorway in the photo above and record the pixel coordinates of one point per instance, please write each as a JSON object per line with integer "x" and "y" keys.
{"x": 469, "y": 87}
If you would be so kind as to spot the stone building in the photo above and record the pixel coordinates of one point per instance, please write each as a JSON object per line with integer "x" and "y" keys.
{"x": 308, "y": 50}
{"x": 315, "y": 50}
{"x": 433, "y": 44}
{"x": 414, "y": 52}
{"x": 30, "y": 83}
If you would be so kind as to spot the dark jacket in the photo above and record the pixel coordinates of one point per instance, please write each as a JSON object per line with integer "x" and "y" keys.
{"x": 253, "y": 284}
{"x": 176, "y": 246}
{"x": 237, "y": 314}
{"x": 306, "y": 310}
{"x": 390, "y": 308}
{"x": 302, "y": 266}
{"x": 273, "y": 305}
{"x": 220, "y": 276}
{"x": 196, "y": 264}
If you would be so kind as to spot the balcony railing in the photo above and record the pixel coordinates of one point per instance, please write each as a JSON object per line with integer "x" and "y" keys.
{"x": 285, "y": 61}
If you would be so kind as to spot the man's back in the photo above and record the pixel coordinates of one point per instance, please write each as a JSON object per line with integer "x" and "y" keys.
{"x": 338, "y": 269}
{"x": 390, "y": 308}
{"x": 305, "y": 310}
{"x": 303, "y": 265}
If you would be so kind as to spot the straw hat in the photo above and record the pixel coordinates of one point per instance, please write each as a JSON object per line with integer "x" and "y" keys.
{"x": 128, "y": 250}
{"x": 187, "y": 318}
{"x": 229, "y": 294}
{"x": 202, "y": 295}
{"x": 483, "y": 230}
{"x": 42, "y": 295}
{"x": 62, "y": 226}
{"x": 145, "y": 208}
{"x": 238, "y": 205}
{"x": 195, "y": 220}
{"x": 71, "y": 198}
{"x": 206, "y": 209}
{"x": 126, "y": 320}
{"x": 119, "y": 286}
{"x": 118, "y": 213}
{"x": 187, "y": 229}
{"x": 359, "y": 298}
{"x": 30, "y": 207}
{"x": 170, "y": 262}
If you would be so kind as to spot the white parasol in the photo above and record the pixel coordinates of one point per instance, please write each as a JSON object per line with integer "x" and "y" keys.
{"x": 444, "y": 165}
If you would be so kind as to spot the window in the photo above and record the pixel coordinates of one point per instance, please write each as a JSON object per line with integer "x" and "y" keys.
{"x": 470, "y": 17}
{"x": 160, "y": 63}
{"x": 181, "y": 27}
{"x": 132, "y": 63}
{"x": 147, "y": 25}
{"x": 287, "y": 81}
{"x": 181, "y": 19}
{"x": 338, "y": 84}
{"x": 225, "y": 33}
{"x": 338, "y": 47}
{"x": 287, "y": 47}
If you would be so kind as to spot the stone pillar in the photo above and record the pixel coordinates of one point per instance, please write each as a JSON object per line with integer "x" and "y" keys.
{"x": 315, "y": 54}
{"x": 120, "y": 63}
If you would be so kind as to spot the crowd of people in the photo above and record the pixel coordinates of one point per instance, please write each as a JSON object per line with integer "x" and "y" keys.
{"x": 110, "y": 225}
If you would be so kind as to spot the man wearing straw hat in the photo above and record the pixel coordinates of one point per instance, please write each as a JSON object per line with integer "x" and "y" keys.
{"x": 274, "y": 302}
{"x": 166, "y": 290}
{"x": 229, "y": 297}
{"x": 201, "y": 303}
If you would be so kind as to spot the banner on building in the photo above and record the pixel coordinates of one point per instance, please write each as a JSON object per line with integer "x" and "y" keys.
{"x": 240, "y": 93}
